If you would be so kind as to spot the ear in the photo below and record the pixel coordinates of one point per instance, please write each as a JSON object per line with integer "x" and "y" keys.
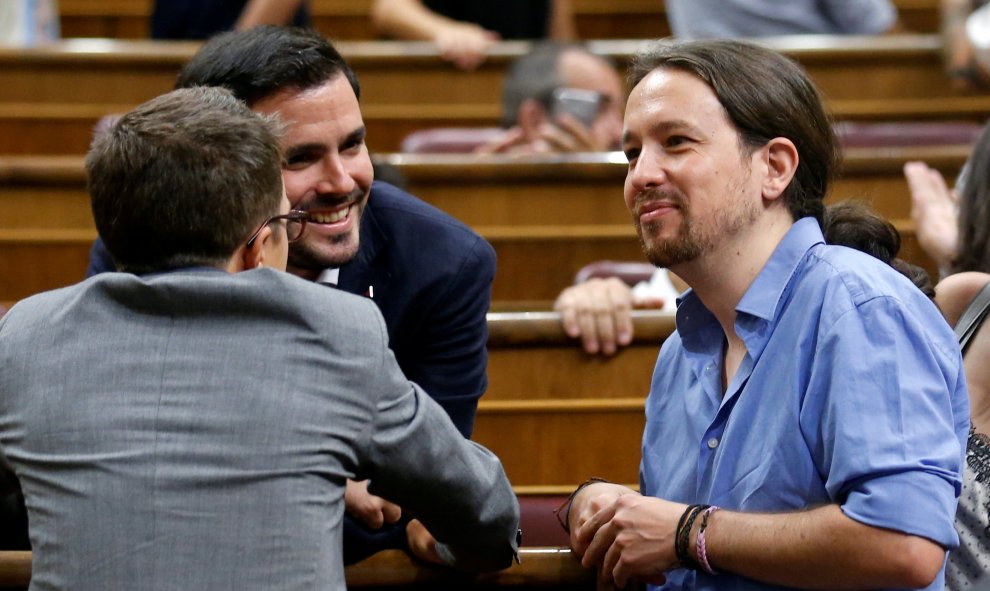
{"x": 781, "y": 160}
{"x": 530, "y": 117}
{"x": 252, "y": 257}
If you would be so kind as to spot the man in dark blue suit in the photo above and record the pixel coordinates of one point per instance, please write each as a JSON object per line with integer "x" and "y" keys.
{"x": 429, "y": 274}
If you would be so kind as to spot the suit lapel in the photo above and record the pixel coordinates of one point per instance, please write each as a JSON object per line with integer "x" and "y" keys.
{"x": 367, "y": 274}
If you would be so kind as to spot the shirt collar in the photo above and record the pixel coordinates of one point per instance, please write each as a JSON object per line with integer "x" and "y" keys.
{"x": 329, "y": 276}
{"x": 767, "y": 290}
{"x": 697, "y": 326}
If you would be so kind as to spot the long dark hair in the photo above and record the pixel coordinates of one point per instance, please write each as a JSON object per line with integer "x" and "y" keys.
{"x": 974, "y": 210}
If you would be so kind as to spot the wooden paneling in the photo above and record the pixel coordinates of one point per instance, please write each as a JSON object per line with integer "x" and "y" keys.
{"x": 586, "y": 189}
{"x": 568, "y": 444}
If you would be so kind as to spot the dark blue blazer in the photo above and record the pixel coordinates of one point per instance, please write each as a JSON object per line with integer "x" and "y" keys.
{"x": 431, "y": 277}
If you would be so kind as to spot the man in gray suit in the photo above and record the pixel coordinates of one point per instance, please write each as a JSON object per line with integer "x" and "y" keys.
{"x": 193, "y": 421}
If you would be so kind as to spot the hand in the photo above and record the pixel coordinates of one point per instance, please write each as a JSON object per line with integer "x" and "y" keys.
{"x": 596, "y": 499}
{"x": 567, "y": 134}
{"x": 934, "y": 209}
{"x": 371, "y": 510}
{"x": 422, "y": 545}
{"x": 632, "y": 538}
{"x": 464, "y": 44}
{"x": 513, "y": 140}
{"x": 597, "y": 311}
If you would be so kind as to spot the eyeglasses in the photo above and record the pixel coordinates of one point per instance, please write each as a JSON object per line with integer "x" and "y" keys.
{"x": 295, "y": 224}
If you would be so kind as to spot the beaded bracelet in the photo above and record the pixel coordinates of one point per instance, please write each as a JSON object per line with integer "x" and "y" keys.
{"x": 700, "y": 549}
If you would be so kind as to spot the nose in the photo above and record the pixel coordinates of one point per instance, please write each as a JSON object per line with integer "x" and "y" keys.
{"x": 646, "y": 172}
{"x": 335, "y": 178}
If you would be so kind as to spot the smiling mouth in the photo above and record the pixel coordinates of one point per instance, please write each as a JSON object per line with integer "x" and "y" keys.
{"x": 329, "y": 217}
{"x": 655, "y": 209}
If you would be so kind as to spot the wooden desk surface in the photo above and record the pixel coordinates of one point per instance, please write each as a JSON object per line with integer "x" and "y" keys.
{"x": 538, "y": 568}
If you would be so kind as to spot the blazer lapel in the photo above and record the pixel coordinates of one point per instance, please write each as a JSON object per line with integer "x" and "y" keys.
{"x": 367, "y": 274}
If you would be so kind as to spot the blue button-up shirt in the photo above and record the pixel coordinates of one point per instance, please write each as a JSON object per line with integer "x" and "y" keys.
{"x": 851, "y": 392}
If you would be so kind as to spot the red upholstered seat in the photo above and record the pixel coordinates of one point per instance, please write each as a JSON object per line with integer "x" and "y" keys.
{"x": 629, "y": 272}
{"x": 464, "y": 140}
{"x": 538, "y": 523}
{"x": 907, "y": 133}
{"x": 449, "y": 140}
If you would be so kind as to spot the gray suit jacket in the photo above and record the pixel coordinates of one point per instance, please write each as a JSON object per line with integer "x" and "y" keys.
{"x": 194, "y": 430}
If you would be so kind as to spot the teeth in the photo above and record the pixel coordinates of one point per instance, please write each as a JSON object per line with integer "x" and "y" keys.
{"x": 329, "y": 218}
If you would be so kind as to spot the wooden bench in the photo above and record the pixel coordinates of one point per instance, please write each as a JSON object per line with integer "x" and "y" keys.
{"x": 64, "y": 89}
{"x": 546, "y": 218}
{"x": 555, "y": 415}
{"x": 492, "y": 192}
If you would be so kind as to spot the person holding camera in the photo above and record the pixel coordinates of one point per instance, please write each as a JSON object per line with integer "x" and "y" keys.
{"x": 560, "y": 98}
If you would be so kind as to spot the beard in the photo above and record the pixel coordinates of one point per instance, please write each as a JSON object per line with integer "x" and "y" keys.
{"x": 693, "y": 237}
{"x": 316, "y": 253}
{"x": 305, "y": 256}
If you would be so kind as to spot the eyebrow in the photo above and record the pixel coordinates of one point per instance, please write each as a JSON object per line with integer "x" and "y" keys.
{"x": 665, "y": 126}
{"x": 303, "y": 148}
{"x": 357, "y": 135}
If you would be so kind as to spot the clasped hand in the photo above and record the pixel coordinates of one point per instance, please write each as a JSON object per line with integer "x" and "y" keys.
{"x": 625, "y": 534}
{"x": 375, "y": 512}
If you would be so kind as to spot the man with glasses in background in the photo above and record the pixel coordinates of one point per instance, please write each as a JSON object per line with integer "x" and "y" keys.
{"x": 200, "y": 414}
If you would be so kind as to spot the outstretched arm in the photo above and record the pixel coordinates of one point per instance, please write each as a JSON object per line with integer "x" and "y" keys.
{"x": 934, "y": 210}
{"x": 462, "y": 43}
{"x": 267, "y": 12}
{"x": 562, "y": 25}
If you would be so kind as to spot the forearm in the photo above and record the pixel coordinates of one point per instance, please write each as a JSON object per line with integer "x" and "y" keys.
{"x": 407, "y": 19}
{"x": 267, "y": 12}
{"x": 818, "y": 549}
{"x": 562, "y": 25}
{"x": 953, "y": 28}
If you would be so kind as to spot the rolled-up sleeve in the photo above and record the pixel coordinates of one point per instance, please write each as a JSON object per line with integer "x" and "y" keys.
{"x": 894, "y": 416}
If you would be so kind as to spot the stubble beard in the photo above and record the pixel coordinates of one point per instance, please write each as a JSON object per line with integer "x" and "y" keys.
{"x": 304, "y": 256}
{"x": 692, "y": 240}
{"x": 668, "y": 251}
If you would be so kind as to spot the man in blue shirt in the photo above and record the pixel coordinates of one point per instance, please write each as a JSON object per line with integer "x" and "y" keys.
{"x": 806, "y": 423}
{"x": 725, "y": 19}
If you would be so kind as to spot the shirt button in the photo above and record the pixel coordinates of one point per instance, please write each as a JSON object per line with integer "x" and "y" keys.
{"x": 712, "y": 443}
